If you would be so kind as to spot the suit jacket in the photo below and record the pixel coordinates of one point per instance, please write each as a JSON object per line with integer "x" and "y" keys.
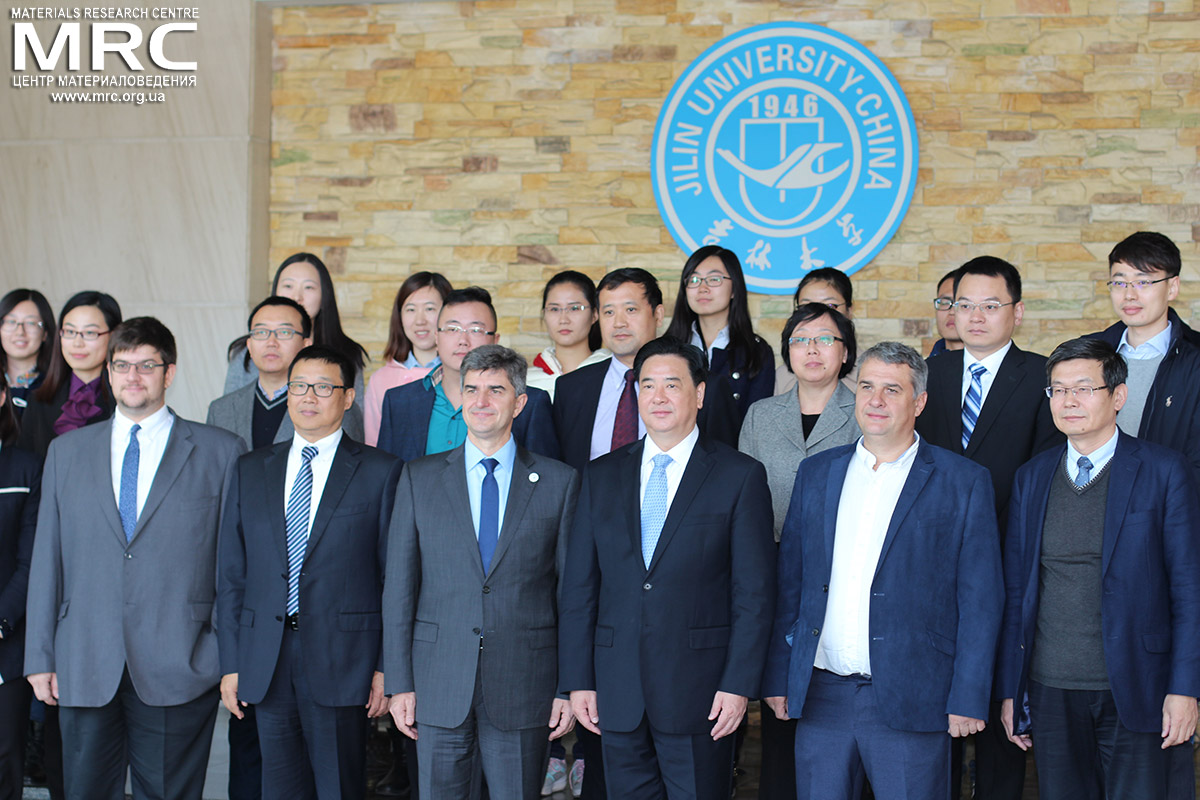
{"x": 404, "y": 422}
{"x": 1013, "y": 425}
{"x": 235, "y": 413}
{"x": 20, "y": 492}
{"x": 660, "y": 642}
{"x": 746, "y": 390}
{"x": 444, "y": 618}
{"x": 98, "y": 604}
{"x": 1150, "y": 608}
{"x": 935, "y": 596}
{"x": 773, "y": 433}
{"x": 37, "y": 423}
{"x": 577, "y": 394}
{"x": 341, "y": 580}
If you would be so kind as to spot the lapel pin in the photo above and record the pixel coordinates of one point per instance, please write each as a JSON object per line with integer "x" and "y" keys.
{"x": 1169, "y": 399}
{"x": 534, "y": 477}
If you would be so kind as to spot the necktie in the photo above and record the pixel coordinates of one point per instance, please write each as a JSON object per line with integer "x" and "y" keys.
{"x": 654, "y": 507}
{"x": 296, "y": 519}
{"x": 129, "y": 474}
{"x": 625, "y": 424}
{"x": 1085, "y": 471}
{"x": 972, "y": 403}
{"x": 489, "y": 514}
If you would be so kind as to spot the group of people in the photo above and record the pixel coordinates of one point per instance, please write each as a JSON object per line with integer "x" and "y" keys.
{"x": 633, "y": 537}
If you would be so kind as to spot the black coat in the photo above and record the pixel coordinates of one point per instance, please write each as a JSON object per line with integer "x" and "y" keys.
{"x": 20, "y": 492}
{"x": 37, "y": 423}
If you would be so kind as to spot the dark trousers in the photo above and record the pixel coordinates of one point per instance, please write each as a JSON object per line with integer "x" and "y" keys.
{"x": 1085, "y": 753}
{"x": 309, "y": 750}
{"x": 245, "y": 758}
{"x": 999, "y": 764}
{"x": 778, "y": 779}
{"x": 648, "y": 764}
{"x": 14, "y": 721}
{"x": 165, "y": 747}
{"x": 842, "y": 739}
{"x": 52, "y": 751}
{"x": 587, "y": 747}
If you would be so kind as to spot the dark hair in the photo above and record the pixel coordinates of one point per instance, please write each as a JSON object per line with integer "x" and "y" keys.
{"x": 328, "y": 355}
{"x": 137, "y": 331}
{"x": 60, "y": 370}
{"x": 951, "y": 275}
{"x": 488, "y": 357}
{"x": 398, "y": 346}
{"x": 807, "y": 312}
{"x": 283, "y": 302}
{"x": 1147, "y": 251}
{"x": 991, "y": 267}
{"x": 584, "y": 284}
{"x": 9, "y": 427}
{"x": 471, "y": 294}
{"x": 50, "y": 344}
{"x": 1112, "y": 365}
{"x": 743, "y": 344}
{"x": 619, "y": 277}
{"x": 834, "y": 277}
{"x": 896, "y": 353}
{"x": 670, "y": 346}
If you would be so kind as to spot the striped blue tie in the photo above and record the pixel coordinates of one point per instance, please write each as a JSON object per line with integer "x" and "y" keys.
{"x": 127, "y": 504}
{"x": 654, "y": 507}
{"x": 297, "y": 526}
{"x": 972, "y": 403}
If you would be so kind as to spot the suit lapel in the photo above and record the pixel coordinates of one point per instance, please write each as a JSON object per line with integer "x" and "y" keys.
{"x": 630, "y": 497}
{"x": 520, "y": 490}
{"x": 831, "y": 420}
{"x": 791, "y": 425}
{"x": 455, "y": 499}
{"x": 833, "y": 499}
{"x": 1035, "y": 521}
{"x": 1124, "y": 469}
{"x": 345, "y": 463}
{"x": 274, "y": 478}
{"x": 287, "y": 431}
{"x": 244, "y": 415}
{"x": 100, "y": 456}
{"x": 1008, "y": 378}
{"x": 179, "y": 448}
{"x": 694, "y": 475}
{"x": 918, "y": 476}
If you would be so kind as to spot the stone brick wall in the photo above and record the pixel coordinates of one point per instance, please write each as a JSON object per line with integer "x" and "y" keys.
{"x": 500, "y": 141}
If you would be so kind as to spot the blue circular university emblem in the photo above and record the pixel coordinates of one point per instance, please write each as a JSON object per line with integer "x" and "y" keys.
{"x": 789, "y": 144}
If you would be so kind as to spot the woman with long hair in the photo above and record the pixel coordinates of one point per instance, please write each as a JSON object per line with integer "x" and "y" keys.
{"x": 28, "y": 338}
{"x": 569, "y": 314}
{"x": 412, "y": 342}
{"x": 713, "y": 313}
{"x": 304, "y": 278}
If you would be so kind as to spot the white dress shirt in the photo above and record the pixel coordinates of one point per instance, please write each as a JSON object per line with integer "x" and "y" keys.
{"x": 606, "y": 409}
{"x": 321, "y": 463}
{"x": 864, "y": 513}
{"x": 1154, "y": 347}
{"x": 152, "y": 443}
{"x": 991, "y": 363}
{"x": 1099, "y": 457}
{"x": 679, "y": 454}
{"x": 476, "y": 472}
{"x": 720, "y": 341}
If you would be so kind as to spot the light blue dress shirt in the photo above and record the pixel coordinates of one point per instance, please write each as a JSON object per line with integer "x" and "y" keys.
{"x": 476, "y": 472}
{"x": 1153, "y": 347}
{"x": 1099, "y": 457}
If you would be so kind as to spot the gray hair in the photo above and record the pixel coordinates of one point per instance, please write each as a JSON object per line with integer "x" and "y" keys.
{"x": 897, "y": 353}
{"x": 494, "y": 356}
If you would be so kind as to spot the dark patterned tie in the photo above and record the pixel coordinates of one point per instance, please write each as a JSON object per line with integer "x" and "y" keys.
{"x": 625, "y": 424}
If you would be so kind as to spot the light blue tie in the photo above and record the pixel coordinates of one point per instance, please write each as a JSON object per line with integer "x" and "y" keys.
{"x": 129, "y": 474}
{"x": 299, "y": 503}
{"x": 654, "y": 507}
{"x": 1085, "y": 471}
{"x": 489, "y": 513}
{"x": 972, "y": 403}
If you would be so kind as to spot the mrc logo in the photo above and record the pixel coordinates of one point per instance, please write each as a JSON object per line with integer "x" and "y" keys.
{"x": 790, "y": 144}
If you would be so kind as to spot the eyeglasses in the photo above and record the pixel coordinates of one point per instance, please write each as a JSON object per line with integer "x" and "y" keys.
{"x": 300, "y": 388}
{"x": 455, "y": 330}
{"x": 823, "y": 341}
{"x": 963, "y": 307}
{"x": 712, "y": 280}
{"x": 10, "y": 325}
{"x": 282, "y": 334}
{"x": 1140, "y": 284}
{"x": 87, "y": 336}
{"x": 142, "y": 367}
{"x": 574, "y": 308}
{"x": 943, "y": 304}
{"x": 1060, "y": 392}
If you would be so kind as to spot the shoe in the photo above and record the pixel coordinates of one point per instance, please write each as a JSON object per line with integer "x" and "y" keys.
{"x": 577, "y": 778}
{"x": 556, "y": 777}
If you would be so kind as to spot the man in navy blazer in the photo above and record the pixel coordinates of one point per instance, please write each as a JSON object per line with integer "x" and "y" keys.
{"x": 671, "y": 558}
{"x": 889, "y": 599}
{"x": 302, "y": 552}
{"x": 1102, "y": 596}
{"x": 425, "y": 417}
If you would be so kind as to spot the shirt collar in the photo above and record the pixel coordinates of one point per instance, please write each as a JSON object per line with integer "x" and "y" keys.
{"x": 433, "y": 377}
{"x": 679, "y": 454}
{"x": 1100, "y": 456}
{"x": 991, "y": 362}
{"x": 326, "y": 445}
{"x": 616, "y": 370}
{"x": 506, "y": 455}
{"x": 868, "y": 459}
{"x": 280, "y": 392}
{"x": 150, "y": 426}
{"x": 412, "y": 363}
{"x": 1157, "y": 344}
{"x": 719, "y": 342}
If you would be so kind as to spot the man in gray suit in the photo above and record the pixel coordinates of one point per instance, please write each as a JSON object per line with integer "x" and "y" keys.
{"x": 279, "y": 329}
{"x": 475, "y": 555}
{"x": 121, "y": 589}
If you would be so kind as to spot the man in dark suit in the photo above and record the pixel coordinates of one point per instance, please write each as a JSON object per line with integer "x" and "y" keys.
{"x": 595, "y": 407}
{"x": 475, "y": 559}
{"x": 303, "y": 541}
{"x": 987, "y": 402}
{"x": 1102, "y": 602}
{"x": 662, "y": 640}
{"x": 121, "y": 589}
{"x": 426, "y": 417}
{"x": 889, "y": 599}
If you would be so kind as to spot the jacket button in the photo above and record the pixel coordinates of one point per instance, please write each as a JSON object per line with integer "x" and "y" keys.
{"x": 279, "y": 619}
{"x": 737, "y": 395}
{"x": 816, "y": 632}
{"x": 825, "y": 588}
{"x": 475, "y": 631}
{"x": 647, "y": 586}
{"x": 129, "y": 555}
{"x": 735, "y": 376}
{"x": 487, "y": 590}
{"x": 283, "y": 575}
